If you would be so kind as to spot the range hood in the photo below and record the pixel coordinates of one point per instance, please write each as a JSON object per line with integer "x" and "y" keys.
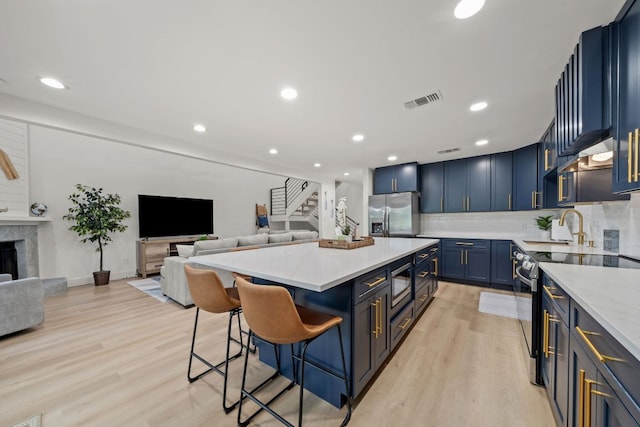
{"x": 598, "y": 156}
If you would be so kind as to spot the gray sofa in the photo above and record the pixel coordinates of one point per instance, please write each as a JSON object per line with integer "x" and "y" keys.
{"x": 173, "y": 280}
{"x": 21, "y": 304}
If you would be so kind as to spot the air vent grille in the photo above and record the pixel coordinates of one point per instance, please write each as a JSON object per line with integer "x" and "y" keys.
{"x": 424, "y": 100}
{"x": 448, "y": 150}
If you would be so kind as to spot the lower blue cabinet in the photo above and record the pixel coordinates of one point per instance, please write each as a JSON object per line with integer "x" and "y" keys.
{"x": 502, "y": 263}
{"x": 466, "y": 259}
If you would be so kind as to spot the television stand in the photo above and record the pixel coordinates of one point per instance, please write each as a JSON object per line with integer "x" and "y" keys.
{"x": 150, "y": 253}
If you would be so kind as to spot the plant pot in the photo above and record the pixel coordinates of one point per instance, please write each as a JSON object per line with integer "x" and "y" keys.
{"x": 101, "y": 278}
{"x": 546, "y": 234}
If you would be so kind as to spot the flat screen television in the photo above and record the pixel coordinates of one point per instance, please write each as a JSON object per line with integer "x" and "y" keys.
{"x": 160, "y": 216}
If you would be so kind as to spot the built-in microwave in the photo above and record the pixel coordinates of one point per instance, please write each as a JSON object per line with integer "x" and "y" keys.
{"x": 400, "y": 287}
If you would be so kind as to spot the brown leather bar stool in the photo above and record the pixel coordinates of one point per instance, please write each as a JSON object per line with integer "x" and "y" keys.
{"x": 209, "y": 294}
{"x": 273, "y": 317}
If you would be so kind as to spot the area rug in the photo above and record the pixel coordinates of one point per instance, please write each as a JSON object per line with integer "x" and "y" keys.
{"x": 151, "y": 287}
{"x": 504, "y": 305}
{"x": 34, "y": 421}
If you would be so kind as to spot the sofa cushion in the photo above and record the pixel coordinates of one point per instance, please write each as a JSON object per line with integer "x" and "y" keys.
{"x": 203, "y": 245}
{"x": 185, "y": 251}
{"x": 256, "y": 239}
{"x": 280, "y": 238}
{"x": 304, "y": 235}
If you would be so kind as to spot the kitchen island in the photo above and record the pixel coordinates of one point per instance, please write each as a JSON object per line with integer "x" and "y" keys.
{"x": 358, "y": 285}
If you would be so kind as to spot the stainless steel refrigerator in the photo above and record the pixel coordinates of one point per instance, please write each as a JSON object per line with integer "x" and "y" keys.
{"x": 394, "y": 215}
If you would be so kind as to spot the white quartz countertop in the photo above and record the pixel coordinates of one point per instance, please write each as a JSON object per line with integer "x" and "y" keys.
{"x": 610, "y": 295}
{"x": 549, "y": 246}
{"x": 311, "y": 267}
{"x": 491, "y": 235}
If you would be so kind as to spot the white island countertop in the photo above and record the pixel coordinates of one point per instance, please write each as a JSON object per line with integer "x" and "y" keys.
{"x": 311, "y": 267}
{"x": 610, "y": 295}
{"x": 557, "y": 247}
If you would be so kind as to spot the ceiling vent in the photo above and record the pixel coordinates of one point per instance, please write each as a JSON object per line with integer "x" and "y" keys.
{"x": 448, "y": 150}
{"x": 432, "y": 97}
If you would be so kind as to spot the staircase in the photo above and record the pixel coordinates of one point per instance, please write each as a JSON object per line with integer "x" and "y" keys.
{"x": 297, "y": 201}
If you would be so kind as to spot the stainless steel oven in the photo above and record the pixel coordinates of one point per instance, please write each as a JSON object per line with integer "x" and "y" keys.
{"x": 529, "y": 306}
{"x": 400, "y": 287}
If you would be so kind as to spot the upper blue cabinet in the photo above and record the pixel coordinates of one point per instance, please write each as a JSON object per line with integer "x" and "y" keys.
{"x": 626, "y": 34}
{"x": 467, "y": 185}
{"x": 396, "y": 179}
{"x": 432, "y": 188}
{"x": 583, "y": 94}
{"x": 525, "y": 179}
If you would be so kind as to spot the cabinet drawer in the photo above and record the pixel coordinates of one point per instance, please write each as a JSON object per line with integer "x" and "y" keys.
{"x": 369, "y": 283}
{"x": 153, "y": 266}
{"x": 422, "y": 298}
{"x": 401, "y": 324}
{"x": 468, "y": 243}
{"x": 426, "y": 253}
{"x": 618, "y": 362}
{"x": 558, "y": 297}
{"x": 157, "y": 251}
{"x": 421, "y": 273}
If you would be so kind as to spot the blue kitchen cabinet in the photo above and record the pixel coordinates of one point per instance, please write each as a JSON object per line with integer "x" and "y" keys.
{"x": 396, "y": 179}
{"x": 583, "y": 94}
{"x": 626, "y": 34}
{"x": 466, "y": 260}
{"x": 502, "y": 263}
{"x": 525, "y": 179}
{"x": 549, "y": 150}
{"x": 501, "y": 181}
{"x": 432, "y": 188}
{"x": 586, "y": 186}
{"x": 467, "y": 185}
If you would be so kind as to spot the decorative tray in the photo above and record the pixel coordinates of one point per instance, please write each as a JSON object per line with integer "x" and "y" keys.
{"x": 345, "y": 244}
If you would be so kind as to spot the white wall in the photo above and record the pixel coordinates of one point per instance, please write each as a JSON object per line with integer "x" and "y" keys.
{"x": 60, "y": 159}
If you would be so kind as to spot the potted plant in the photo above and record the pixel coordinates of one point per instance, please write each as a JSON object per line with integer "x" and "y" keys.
{"x": 96, "y": 215}
{"x": 544, "y": 224}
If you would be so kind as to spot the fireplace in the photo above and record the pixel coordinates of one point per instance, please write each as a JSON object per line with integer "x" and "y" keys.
{"x": 9, "y": 259}
{"x": 21, "y": 241}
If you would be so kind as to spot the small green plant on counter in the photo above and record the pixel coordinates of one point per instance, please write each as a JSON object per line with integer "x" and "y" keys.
{"x": 544, "y": 222}
{"x": 346, "y": 230}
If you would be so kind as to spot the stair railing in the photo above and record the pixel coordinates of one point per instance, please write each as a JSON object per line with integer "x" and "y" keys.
{"x": 282, "y": 197}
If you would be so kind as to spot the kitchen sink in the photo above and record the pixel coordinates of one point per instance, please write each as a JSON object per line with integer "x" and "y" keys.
{"x": 545, "y": 242}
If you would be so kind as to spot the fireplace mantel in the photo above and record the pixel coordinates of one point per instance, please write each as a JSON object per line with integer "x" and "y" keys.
{"x": 23, "y": 220}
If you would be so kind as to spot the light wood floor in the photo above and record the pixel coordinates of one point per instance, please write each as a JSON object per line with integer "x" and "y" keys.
{"x": 113, "y": 356}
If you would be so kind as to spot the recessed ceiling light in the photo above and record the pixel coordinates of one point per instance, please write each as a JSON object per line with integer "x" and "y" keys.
{"x": 346, "y": 174}
{"x": 392, "y": 158}
{"x": 316, "y": 165}
{"x": 273, "y": 151}
{"x": 482, "y": 142}
{"x": 289, "y": 93}
{"x": 199, "y": 128}
{"x": 478, "y": 106}
{"x": 51, "y": 82}
{"x": 467, "y": 8}
{"x": 358, "y": 137}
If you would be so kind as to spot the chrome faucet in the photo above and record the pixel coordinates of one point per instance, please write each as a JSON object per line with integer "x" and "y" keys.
{"x": 581, "y": 234}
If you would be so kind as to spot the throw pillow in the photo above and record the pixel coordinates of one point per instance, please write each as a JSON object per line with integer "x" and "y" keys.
{"x": 256, "y": 239}
{"x": 304, "y": 235}
{"x": 280, "y": 238}
{"x": 185, "y": 251}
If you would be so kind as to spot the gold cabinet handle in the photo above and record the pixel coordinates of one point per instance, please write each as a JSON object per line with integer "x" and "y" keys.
{"x": 464, "y": 244}
{"x": 423, "y": 256}
{"x": 635, "y": 155}
{"x": 509, "y": 201}
{"x": 547, "y": 290}
{"x": 513, "y": 269}
{"x": 601, "y": 357}
{"x": 466, "y": 257}
{"x": 462, "y": 256}
{"x": 424, "y": 297}
{"x": 532, "y": 200}
{"x": 546, "y": 159}
{"x": 588, "y": 384}
{"x": 468, "y": 203}
{"x": 406, "y": 323}
{"x": 375, "y": 328}
{"x": 581, "y": 399}
{"x": 434, "y": 249}
{"x": 441, "y": 204}
{"x": 379, "y": 327}
{"x": 560, "y": 187}
{"x": 435, "y": 260}
{"x": 376, "y": 282}
{"x": 423, "y": 275}
{"x": 630, "y": 157}
{"x": 545, "y": 334}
